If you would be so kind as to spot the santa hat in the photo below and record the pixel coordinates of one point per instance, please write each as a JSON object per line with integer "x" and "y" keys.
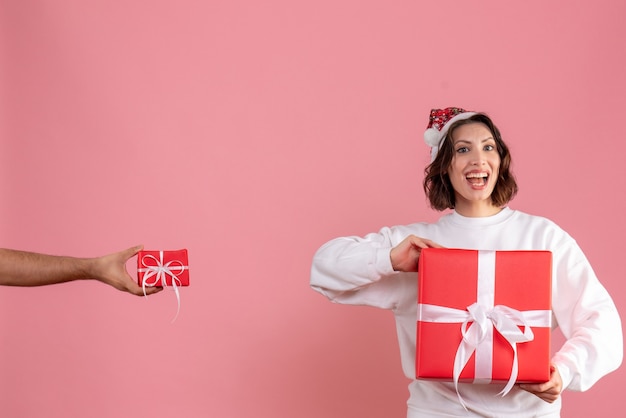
{"x": 438, "y": 124}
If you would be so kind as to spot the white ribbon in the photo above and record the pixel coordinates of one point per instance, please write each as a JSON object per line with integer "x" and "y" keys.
{"x": 478, "y": 322}
{"x": 160, "y": 271}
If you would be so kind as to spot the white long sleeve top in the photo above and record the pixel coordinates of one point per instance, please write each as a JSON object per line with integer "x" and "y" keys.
{"x": 358, "y": 271}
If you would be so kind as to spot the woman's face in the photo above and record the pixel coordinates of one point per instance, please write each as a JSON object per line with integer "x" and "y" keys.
{"x": 474, "y": 169}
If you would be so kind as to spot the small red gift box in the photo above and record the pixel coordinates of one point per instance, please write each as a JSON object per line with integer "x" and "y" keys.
{"x": 162, "y": 268}
{"x": 484, "y": 316}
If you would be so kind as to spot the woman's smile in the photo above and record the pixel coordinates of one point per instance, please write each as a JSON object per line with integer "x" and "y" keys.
{"x": 477, "y": 179}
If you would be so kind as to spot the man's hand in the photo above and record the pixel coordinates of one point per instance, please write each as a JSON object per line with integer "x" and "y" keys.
{"x": 111, "y": 269}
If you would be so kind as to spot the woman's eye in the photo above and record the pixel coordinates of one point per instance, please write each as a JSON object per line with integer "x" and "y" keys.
{"x": 489, "y": 147}
{"x": 462, "y": 150}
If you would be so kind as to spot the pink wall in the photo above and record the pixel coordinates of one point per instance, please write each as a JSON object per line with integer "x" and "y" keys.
{"x": 250, "y": 133}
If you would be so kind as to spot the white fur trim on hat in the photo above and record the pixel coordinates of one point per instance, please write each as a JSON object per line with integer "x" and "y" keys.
{"x": 433, "y": 137}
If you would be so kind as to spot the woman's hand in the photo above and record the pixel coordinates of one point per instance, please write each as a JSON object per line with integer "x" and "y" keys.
{"x": 405, "y": 256}
{"x": 548, "y": 391}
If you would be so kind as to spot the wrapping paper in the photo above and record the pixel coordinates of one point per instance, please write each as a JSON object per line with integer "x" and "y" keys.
{"x": 484, "y": 316}
{"x": 163, "y": 269}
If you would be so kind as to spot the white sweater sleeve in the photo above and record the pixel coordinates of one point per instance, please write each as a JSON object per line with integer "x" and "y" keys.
{"x": 357, "y": 270}
{"x": 588, "y": 319}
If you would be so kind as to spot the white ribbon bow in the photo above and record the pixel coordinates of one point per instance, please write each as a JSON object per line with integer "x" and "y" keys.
{"x": 477, "y": 324}
{"x": 160, "y": 271}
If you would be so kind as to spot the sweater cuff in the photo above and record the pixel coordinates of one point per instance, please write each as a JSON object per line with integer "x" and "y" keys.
{"x": 566, "y": 375}
{"x": 383, "y": 262}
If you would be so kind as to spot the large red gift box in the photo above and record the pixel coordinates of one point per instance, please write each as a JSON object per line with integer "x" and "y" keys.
{"x": 162, "y": 268}
{"x": 484, "y": 316}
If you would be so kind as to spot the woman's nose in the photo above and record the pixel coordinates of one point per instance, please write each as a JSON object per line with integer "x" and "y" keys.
{"x": 478, "y": 158}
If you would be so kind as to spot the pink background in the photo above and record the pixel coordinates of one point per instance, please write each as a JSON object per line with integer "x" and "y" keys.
{"x": 251, "y": 133}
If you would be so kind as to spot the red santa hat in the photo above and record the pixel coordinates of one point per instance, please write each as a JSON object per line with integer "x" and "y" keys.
{"x": 439, "y": 122}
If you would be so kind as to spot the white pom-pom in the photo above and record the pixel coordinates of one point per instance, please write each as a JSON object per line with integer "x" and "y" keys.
{"x": 432, "y": 137}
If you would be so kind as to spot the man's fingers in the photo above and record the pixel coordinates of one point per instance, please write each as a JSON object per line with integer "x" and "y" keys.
{"x": 131, "y": 252}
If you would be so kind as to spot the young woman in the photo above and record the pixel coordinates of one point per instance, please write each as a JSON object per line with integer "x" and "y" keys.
{"x": 470, "y": 173}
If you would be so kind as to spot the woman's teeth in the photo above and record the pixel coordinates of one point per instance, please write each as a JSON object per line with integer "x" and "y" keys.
{"x": 477, "y": 178}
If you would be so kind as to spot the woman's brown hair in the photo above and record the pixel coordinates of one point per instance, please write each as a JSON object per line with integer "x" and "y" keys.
{"x": 437, "y": 185}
